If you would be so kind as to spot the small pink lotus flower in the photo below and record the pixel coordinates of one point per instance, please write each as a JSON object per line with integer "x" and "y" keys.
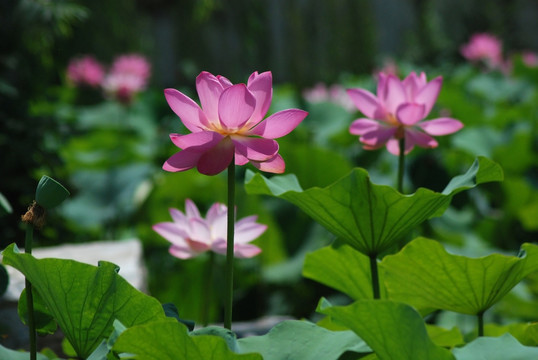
{"x": 128, "y": 76}
{"x": 397, "y": 112}
{"x": 85, "y": 70}
{"x": 484, "y": 47}
{"x": 229, "y": 122}
{"x": 192, "y": 235}
{"x": 530, "y": 58}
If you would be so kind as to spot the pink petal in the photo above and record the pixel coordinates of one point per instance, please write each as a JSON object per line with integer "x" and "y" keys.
{"x": 179, "y": 218}
{"x": 257, "y": 149}
{"x": 240, "y": 159}
{"x": 216, "y": 210}
{"x": 191, "y": 210}
{"x": 224, "y": 81}
{"x": 381, "y": 85}
{"x": 199, "y": 232}
{"x": 362, "y": 126}
{"x": 441, "y": 126}
{"x": 410, "y": 114}
{"x": 209, "y": 89}
{"x": 181, "y": 161}
{"x": 261, "y": 86}
{"x": 378, "y": 137}
{"x": 216, "y": 159}
{"x": 236, "y": 105}
{"x": 428, "y": 94}
{"x": 171, "y": 232}
{"x": 240, "y": 250}
{"x": 188, "y": 111}
{"x": 248, "y": 230}
{"x": 393, "y": 146}
{"x": 197, "y": 142}
{"x": 394, "y": 94}
{"x": 367, "y": 103}
{"x": 279, "y": 124}
{"x": 182, "y": 252}
{"x": 244, "y": 251}
{"x": 411, "y": 85}
{"x": 419, "y": 138}
{"x": 274, "y": 165}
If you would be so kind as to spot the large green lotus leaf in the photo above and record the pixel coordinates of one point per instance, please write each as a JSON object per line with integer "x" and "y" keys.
{"x": 367, "y": 216}
{"x": 169, "y": 340}
{"x": 443, "y": 337}
{"x": 342, "y": 268}
{"x": 505, "y": 347}
{"x": 393, "y": 330}
{"x": 302, "y": 340}
{"x": 84, "y": 299}
{"x": 8, "y": 354}
{"x": 526, "y": 334}
{"x": 424, "y": 275}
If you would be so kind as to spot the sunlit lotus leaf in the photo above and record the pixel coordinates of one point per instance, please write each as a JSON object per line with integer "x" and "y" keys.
{"x": 84, "y": 299}
{"x": 302, "y": 340}
{"x": 342, "y": 268}
{"x": 370, "y": 217}
{"x": 393, "y": 330}
{"x": 425, "y": 275}
{"x": 169, "y": 340}
{"x": 505, "y": 347}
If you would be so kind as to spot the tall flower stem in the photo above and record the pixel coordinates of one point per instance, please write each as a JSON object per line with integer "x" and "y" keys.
{"x": 207, "y": 287}
{"x": 375, "y": 276}
{"x": 228, "y": 301}
{"x": 401, "y": 164}
{"x": 480, "y": 318}
{"x": 29, "y": 296}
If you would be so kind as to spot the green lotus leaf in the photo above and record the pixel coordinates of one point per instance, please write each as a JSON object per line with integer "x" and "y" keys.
{"x": 50, "y": 193}
{"x": 5, "y": 207}
{"x": 8, "y": 354}
{"x": 505, "y": 347}
{"x": 342, "y": 268}
{"x": 169, "y": 340}
{"x": 84, "y": 299}
{"x": 393, "y": 330}
{"x": 370, "y": 217}
{"x": 425, "y": 275}
{"x": 302, "y": 340}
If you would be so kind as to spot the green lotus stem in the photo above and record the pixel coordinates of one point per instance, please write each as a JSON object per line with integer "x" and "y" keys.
{"x": 401, "y": 164}
{"x": 208, "y": 284}
{"x": 375, "y": 276}
{"x": 228, "y": 300}
{"x": 480, "y": 317}
{"x": 29, "y": 297}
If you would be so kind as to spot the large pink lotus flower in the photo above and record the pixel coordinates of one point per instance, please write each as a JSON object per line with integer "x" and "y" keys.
{"x": 484, "y": 47}
{"x": 128, "y": 76}
{"x": 85, "y": 70}
{"x": 230, "y": 121}
{"x": 191, "y": 234}
{"x": 397, "y": 112}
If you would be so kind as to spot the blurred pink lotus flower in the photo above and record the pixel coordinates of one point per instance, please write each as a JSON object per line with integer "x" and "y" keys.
{"x": 229, "y": 122}
{"x": 192, "y": 235}
{"x": 85, "y": 70}
{"x": 128, "y": 76}
{"x": 335, "y": 94}
{"x": 397, "y": 112}
{"x": 529, "y": 58}
{"x": 484, "y": 47}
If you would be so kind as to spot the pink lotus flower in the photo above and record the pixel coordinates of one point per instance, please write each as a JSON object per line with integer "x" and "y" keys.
{"x": 484, "y": 47}
{"x": 397, "y": 112}
{"x": 85, "y": 71}
{"x": 191, "y": 235}
{"x": 529, "y": 58}
{"x": 229, "y": 122}
{"x": 128, "y": 76}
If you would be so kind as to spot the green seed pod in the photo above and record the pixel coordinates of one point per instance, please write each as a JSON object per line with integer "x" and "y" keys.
{"x": 50, "y": 193}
